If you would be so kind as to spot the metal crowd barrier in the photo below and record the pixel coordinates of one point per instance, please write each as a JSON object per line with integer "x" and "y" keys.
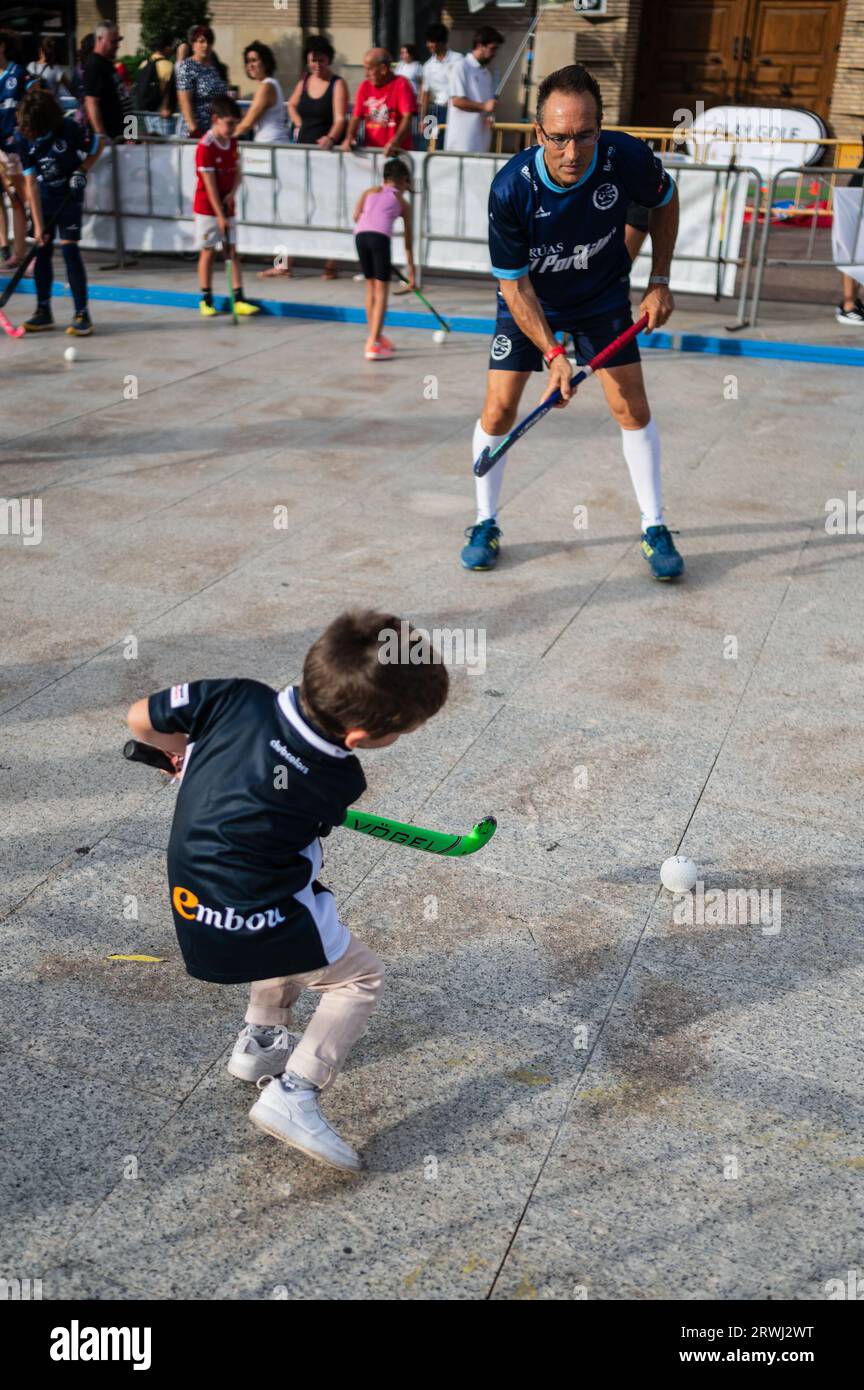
{"x": 808, "y": 261}
{"x": 720, "y": 173}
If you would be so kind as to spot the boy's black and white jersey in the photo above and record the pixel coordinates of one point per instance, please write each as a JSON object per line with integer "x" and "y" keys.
{"x": 258, "y": 788}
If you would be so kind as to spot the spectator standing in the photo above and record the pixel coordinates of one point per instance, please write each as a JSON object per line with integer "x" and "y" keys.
{"x": 385, "y": 103}
{"x": 266, "y": 117}
{"x": 437, "y": 71}
{"x": 410, "y": 67}
{"x": 851, "y": 310}
{"x": 13, "y": 84}
{"x": 199, "y": 80}
{"x": 317, "y": 107}
{"x": 101, "y": 92}
{"x": 47, "y": 71}
{"x": 469, "y": 115}
{"x": 156, "y": 90}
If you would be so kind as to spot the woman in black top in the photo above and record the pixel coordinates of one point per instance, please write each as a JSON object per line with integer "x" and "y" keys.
{"x": 318, "y": 107}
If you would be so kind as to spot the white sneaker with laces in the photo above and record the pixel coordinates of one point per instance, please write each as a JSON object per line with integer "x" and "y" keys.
{"x": 294, "y": 1115}
{"x": 251, "y": 1060}
{"x": 853, "y": 317}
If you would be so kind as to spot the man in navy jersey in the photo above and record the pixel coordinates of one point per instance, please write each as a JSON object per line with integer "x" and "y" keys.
{"x": 557, "y": 219}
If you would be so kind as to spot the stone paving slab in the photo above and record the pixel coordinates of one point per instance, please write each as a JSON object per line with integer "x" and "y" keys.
{"x": 560, "y": 1068}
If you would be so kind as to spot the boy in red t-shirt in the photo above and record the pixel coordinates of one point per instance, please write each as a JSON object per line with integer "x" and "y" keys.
{"x": 217, "y": 165}
{"x": 386, "y": 103}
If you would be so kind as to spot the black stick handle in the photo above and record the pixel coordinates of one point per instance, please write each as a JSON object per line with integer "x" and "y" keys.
{"x": 145, "y": 753}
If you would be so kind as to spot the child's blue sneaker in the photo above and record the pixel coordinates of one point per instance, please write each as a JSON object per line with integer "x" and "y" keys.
{"x": 481, "y": 552}
{"x": 659, "y": 550}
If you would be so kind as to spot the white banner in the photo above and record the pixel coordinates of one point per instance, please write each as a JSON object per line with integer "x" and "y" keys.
{"x": 847, "y": 233}
{"x": 300, "y": 202}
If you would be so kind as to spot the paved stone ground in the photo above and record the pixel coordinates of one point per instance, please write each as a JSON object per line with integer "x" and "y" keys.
{"x": 706, "y": 1139}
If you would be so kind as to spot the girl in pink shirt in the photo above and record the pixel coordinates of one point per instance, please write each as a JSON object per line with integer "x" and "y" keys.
{"x": 376, "y": 211}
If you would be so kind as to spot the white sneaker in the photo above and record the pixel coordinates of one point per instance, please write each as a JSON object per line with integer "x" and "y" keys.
{"x": 294, "y": 1116}
{"x": 853, "y": 317}
{"x": 250, "y": 1060}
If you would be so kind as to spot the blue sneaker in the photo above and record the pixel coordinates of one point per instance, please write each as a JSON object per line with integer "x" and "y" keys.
{"x": 659, "y": 550}
{"x": 481, "y": 552}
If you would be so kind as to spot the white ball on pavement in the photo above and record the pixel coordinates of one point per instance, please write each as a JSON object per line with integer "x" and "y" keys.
{"x": 439, "y": 336}
{"x": 678, "y": 874}
{"x": 70, "y": 354}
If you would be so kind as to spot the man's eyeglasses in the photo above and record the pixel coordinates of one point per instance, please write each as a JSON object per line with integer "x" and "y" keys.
{"x": 582, "y": 137}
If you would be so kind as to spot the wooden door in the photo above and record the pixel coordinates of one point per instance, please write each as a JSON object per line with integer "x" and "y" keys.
{"x": 792, "y": 53}
{"x": 689, "y": 51}
{"x": 752, "y": 52}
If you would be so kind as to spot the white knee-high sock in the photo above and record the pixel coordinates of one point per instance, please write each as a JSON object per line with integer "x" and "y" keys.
{"x": 642, "y": 452}
{"x": 489, "y": 487}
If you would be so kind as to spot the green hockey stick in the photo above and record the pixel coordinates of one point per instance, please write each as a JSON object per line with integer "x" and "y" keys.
{"x": 415, "y": 837}
{"x": 229, "y": 276}
{"x": 443, "y": 322}
{"x": 394, "y": 832}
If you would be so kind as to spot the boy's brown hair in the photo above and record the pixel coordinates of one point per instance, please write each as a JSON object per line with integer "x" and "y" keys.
{"x": 223, "y": 105}
{"x": 349, "y": 682}
{"x": 38, "y": 113}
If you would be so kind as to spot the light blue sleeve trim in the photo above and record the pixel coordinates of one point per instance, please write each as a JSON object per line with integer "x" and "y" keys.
{"x": 672, "y": 186}
{"x": 510, "y": 274}
{"x": 25, "y": 172}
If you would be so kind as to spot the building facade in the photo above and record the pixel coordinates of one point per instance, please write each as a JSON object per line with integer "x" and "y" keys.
{"x": 652, "y": 58}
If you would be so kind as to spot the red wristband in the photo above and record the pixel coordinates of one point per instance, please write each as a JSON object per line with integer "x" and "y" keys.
{"x": 557, "y": 351}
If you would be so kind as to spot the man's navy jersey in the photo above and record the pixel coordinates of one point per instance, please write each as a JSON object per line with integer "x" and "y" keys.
{"x": 570, "y": 241}
{"x": 53, "y": 158}
{"x": 259, "y": 786}
{"x": 14, "y": 82}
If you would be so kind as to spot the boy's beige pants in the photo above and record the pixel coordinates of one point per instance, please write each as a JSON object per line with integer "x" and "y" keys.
{"x": 349, "y": 989}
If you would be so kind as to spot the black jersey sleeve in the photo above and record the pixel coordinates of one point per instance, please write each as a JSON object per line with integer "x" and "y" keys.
{"x": 190, "y": 708}
{"x": 642, "y": 174}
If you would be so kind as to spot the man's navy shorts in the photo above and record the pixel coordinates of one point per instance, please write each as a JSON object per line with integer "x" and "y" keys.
{"x": 511, "y": 351}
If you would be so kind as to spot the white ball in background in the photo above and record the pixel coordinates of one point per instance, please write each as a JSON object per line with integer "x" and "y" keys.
{"x": 439, "y": 336}
{"x": 70, "y": 354}
{"x": 678, "y": 874}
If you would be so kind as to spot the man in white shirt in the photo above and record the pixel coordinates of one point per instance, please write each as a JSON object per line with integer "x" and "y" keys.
{"x": 435, "y": 89}
{"x": 469, "y": 115}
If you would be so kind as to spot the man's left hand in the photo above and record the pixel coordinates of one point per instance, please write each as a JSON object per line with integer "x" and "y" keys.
{"x": 658, "y": 304}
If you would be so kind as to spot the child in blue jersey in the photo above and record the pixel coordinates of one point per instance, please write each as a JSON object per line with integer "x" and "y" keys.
{"x": 557, "y": 243}
{"x": 264, "y": 774}
{"x": 56, "y": 155}
{"x": 14, "y": 82}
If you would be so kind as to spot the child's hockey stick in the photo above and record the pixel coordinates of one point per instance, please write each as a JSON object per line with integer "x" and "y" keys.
{"x": 443, "y": 322}
{"x": 380, "y": 827}
{"x": 229, "y": 275}
{"x": 487, "y": 459}
{"x": 21, "y": 272}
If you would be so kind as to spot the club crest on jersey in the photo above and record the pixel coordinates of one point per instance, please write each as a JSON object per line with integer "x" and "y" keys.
{"x": 179, "y": 696}
{"x": 501, "y": 347}
{"x": 605, "y": 197}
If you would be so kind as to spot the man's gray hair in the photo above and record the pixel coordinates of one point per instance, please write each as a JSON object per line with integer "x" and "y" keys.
{"x": 105, "y": 26}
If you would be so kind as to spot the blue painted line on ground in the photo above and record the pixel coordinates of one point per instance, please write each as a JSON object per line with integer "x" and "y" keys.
{"x": 772, "y": 350}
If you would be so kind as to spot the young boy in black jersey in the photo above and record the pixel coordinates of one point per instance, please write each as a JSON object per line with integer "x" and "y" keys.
{"x": 264, "y": 774}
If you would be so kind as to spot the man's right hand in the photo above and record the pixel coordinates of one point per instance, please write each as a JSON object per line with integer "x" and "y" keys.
{"x": 490, "y": 105}
{"x": 222, "y": 223}
{"x": 559, "y": 379}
